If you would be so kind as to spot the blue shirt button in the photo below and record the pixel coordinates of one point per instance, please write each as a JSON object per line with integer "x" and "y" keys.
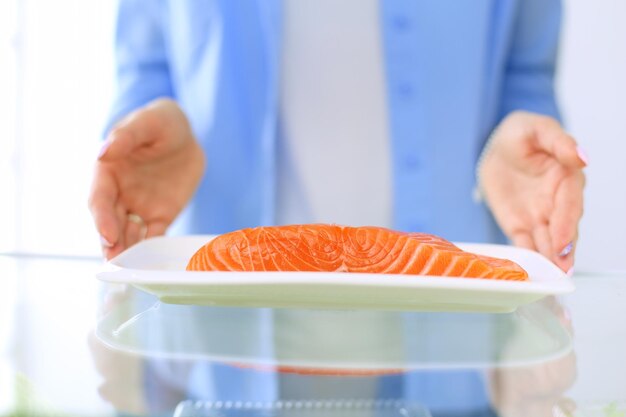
{"x": 405, "y": 90}
{"x": 401, "y": 23}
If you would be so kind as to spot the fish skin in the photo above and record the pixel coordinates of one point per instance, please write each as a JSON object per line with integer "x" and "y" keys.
{"x": 334, "y": 248}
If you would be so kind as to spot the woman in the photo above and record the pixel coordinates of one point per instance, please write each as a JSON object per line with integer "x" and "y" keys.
{"x": 260, "y": 112}
{"x": 225, "y": 80}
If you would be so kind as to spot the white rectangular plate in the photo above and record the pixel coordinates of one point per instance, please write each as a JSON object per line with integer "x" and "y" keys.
{"x": 158, "y": 266}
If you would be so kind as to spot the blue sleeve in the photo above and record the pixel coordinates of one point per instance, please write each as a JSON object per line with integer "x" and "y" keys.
{"x": 529, "y": 74}
{"x": 142, "y": 68}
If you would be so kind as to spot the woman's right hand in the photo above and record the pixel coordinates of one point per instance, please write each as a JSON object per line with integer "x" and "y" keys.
{"x": 149, "y": 168}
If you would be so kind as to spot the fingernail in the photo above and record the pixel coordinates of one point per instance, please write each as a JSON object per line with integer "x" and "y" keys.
{"x": 570, "y": 272}
{"x": 105, "y": 242}
{"x": 566, "y": 250}
{"x": 582, "y": 155}
{"x": 104, "y": 149}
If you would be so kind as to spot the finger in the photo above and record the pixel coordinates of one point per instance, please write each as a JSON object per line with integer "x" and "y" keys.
{"x": 523, "y": 240}
{"x": 566, "y": 262}
{"x": 122, "y": 141}
{"x": 120, "y": 245}
{"x": 138, "y": 129}
{"x": 155, "y": 127}
{"x": 156, "y": 228}
{"x": 112, "y": 299}
{"x": 102, "y": 201}
{"x": 553, "y": 140}
{"x": 112, "y": 252}
{"x": 542, "y": 240}
{"x": 566, "y": 214}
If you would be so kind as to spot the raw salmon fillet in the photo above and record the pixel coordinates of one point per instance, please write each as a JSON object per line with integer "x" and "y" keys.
{"x": 333, "y": 248}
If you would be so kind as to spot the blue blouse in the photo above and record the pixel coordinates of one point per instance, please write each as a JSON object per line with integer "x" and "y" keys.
{"x": 453, "y": 71}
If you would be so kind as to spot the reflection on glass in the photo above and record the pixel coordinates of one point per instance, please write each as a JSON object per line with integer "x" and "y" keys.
{"x": 448, "y": 363}
{"x": 353, "y": 341}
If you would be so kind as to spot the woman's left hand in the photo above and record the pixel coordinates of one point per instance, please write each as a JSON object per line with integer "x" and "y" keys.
{"x": 532, "y": 180}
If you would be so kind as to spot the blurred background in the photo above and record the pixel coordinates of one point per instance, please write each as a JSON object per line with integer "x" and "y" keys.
{"x": 56, "y": 84}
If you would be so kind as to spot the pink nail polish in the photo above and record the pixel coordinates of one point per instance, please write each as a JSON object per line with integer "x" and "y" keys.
{"x": 105, "y": 242}
{"x": 570, "y": 272}
{"x": 582, "y": 155}
{"x": 566, "y": 250}
{"x": 104, "y": 149}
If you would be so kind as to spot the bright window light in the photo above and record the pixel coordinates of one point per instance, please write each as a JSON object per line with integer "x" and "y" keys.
{"x": 58, "y": 71}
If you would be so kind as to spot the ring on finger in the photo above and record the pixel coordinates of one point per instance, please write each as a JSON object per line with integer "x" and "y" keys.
{"x": 135, "y": 218}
